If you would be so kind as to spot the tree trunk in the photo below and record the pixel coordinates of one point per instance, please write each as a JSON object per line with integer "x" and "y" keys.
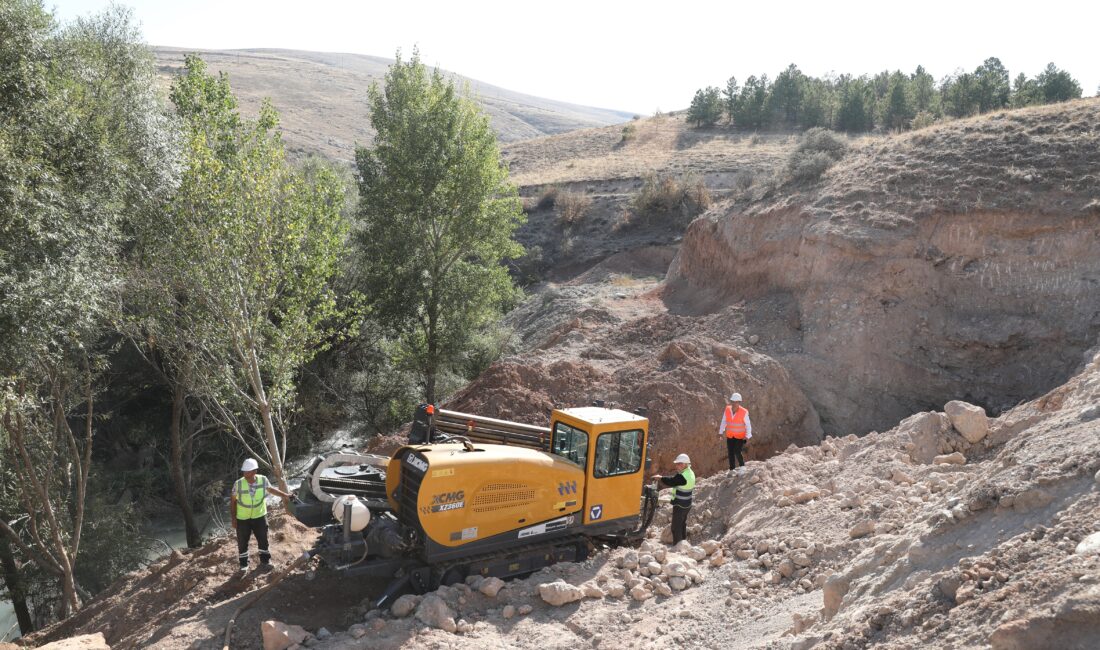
{"x": 183, "y": 496}
{"x": 13, "y": 581}
{"x": 260, "y": 395}
{"x": 431, "y": 367}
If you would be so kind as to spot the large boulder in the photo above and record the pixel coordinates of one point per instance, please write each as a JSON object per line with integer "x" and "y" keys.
{"x": 83, "y": 642}
{"x": 435, "y": 612}
{"x": 280, "y": 636}
{"x": 925, "y": 430}
{"x": 560, "y": 593}
{"x": 968, "y": 419}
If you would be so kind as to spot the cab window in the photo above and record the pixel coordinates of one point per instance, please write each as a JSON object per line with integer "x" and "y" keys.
{"x": 618, "y": 452}
{"x": 570, "y": 443}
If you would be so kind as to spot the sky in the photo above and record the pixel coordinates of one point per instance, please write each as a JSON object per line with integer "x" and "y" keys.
{"x": 638, "y": 56}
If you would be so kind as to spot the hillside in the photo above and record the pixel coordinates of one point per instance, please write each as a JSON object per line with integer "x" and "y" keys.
{"x": 321, "y": 97}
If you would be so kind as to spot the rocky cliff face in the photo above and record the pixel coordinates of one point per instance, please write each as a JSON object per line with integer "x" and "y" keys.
{"x": 881, "y": 299}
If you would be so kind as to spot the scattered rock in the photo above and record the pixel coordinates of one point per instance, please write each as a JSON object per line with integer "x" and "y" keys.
{"x": 862, "y": 529}
{"x": 491, "y": 587}
{"x": 560, "y": 593}
{"x": 1089, "y": 414}
{"x": 509, "y": 611}
{"x": 82, "y": 642}
{"x": 280, "y": 636}
{"x": 968, "y": 419}
{"x": 1032, "y": 499}
{"x": 1089, "y": 546}
{"x": 833, "y": 592}
{"x": 524, "y": 610}
{"x": 640, "y": 593}
{"x": 955, "y": 458}
{"x": 591, "y": 590}
{"x": 405, "y": 605}
{"x": 433, "y": 611}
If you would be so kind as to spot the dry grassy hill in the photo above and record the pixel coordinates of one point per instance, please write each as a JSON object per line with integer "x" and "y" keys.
{"x": 321, "y": 97}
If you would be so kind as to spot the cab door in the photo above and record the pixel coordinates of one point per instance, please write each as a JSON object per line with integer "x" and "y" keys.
{"x": 616, "y": 475}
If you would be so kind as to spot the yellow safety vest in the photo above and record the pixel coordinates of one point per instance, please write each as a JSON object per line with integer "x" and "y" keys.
{"x": 251, "y": 504}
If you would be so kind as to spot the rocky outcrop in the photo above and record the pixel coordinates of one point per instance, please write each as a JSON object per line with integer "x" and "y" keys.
{"x": 876, "y": 323}
{"x": 922, "y": 269}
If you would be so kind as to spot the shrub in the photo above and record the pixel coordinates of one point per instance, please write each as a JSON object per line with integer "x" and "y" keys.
{"x": 922, "y": 119}
{"x": 816, "y": 152}
{"x": 825, "y": 141}
{"x": 809, "y": 167}
{"x": 744, "y": 180}
{"x": 548, "y": 197}
{"x": 663, "y": 195}
{"x": 629, "y": 131}
{"x": 572, "y": 206}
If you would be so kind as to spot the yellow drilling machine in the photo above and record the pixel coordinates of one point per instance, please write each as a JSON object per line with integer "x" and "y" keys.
{"x": 471, "y": 495}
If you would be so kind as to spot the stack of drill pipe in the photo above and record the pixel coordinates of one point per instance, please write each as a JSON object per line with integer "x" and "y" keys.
{"x": 491, "y": 431}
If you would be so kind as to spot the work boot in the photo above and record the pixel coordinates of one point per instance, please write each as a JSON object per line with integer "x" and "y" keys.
{"x": 265, "y": 567}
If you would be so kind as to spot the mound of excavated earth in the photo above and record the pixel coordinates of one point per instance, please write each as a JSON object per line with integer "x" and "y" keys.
{"x": 949, "y": 530}
{"x": 617, "y": 343}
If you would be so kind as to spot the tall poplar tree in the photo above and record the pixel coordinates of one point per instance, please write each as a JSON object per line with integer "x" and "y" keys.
{"x": 437, "y": 216}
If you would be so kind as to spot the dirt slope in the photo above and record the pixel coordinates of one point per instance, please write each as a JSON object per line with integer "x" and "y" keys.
{"x": 858, "y": 542}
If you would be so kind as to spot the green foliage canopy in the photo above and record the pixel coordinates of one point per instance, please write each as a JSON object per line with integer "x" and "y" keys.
{"x": 437, "y": 216}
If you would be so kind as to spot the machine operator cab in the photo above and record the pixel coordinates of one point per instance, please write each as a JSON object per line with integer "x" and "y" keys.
{"x": 609, "y": 446}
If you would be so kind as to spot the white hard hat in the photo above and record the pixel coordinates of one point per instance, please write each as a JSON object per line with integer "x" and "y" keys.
{"x": 250, "y": 465}
{"x": 736, "y": 397}
{"x": 683, "y": 458}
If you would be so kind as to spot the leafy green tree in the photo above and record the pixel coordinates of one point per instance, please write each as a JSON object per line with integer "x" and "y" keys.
{"x": 729, "y": 97}
{"x": 236, "y": 283}
{"x": 706, "y": 107}
{"x": 437, "y": 216}
{"x": 993, "y": 87}
{"x": 84, "y": 146}
{"x": 1056, "y": 85}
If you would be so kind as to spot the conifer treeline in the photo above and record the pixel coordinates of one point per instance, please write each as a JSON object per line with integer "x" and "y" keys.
{"x": 887, "y": 101}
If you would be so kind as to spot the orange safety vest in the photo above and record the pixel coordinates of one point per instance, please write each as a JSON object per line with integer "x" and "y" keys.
{"x": 735, "y": 422}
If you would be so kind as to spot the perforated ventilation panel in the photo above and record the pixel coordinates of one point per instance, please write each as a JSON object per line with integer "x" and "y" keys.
{"x": 498, "y": 496}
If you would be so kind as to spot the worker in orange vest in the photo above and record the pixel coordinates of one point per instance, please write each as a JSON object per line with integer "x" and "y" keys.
{"x": 737, "y": 428}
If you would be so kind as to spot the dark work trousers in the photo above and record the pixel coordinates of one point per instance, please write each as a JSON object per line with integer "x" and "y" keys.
{"x": 245, "y": 529}
{"x": 734, "y": 447}
{"x": 679, "y": 523}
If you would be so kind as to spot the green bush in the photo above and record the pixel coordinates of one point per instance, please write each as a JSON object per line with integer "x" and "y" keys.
{"x": 629, "y": 131}
{"x": 816, "y": 152}
{"x": 809, "y": 167}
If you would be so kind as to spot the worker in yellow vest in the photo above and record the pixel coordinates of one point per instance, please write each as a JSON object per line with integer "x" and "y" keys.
{"x": 737, "y": 429}
{"x": 683, "y": 485}
{"x": 248, "y": 508}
